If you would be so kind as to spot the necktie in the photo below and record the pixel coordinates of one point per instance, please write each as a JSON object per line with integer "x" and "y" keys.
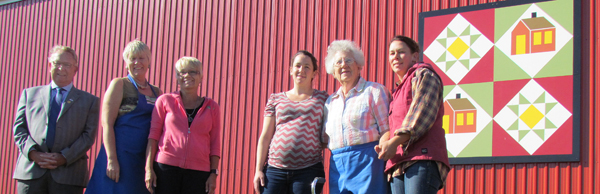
{"x": 54, "y": 112}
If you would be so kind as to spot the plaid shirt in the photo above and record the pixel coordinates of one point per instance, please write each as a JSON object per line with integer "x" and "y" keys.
{"x": 359, "y": 118}
{"x": 427, "y": 98}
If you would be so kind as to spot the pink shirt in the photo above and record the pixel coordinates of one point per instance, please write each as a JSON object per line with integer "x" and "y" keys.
{"x": 296, "y": 143}
{"x": 180, "y": 145}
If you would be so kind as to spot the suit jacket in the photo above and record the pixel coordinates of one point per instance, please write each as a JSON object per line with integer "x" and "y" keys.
{"x": 76, "y": 130}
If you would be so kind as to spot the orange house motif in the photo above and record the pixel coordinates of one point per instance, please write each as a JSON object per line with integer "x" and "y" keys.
{"x": 460, "y": 116}
{"x": 533, "y": 35}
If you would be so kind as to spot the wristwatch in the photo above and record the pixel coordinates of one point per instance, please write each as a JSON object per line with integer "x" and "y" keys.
{"x": 214, "y": 171}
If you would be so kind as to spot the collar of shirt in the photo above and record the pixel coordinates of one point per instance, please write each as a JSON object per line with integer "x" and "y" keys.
{"x": 360, "y": 87}
{"x": 66, "y": 88}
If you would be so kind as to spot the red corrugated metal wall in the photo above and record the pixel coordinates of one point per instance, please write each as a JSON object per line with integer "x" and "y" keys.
{"x": 246, "y": 47}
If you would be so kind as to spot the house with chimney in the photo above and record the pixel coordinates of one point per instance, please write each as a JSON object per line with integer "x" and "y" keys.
{"x": 533, "y": 35}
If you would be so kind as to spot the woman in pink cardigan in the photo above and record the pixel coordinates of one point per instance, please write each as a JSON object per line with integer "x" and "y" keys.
{"x": 186, "y": 129}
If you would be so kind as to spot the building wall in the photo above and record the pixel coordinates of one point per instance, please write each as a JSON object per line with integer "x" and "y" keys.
{"x": 246, "y": 47}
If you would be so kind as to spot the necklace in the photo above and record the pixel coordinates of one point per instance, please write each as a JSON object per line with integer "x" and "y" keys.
{"x": 189, "y": 116}
{"x": 139, "y": 85}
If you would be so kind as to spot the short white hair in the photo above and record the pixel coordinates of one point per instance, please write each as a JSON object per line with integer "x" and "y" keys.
{"x": 188, "y": 61}
{"x": 62, "y": 49}
{"x": 136, "y": 47}
{"x": 343, "y": 46}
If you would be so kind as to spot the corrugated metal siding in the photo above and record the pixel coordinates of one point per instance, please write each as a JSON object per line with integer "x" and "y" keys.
{"x": 246, "y": 47}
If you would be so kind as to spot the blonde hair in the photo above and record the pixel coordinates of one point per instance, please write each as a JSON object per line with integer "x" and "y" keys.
{"x": 343, "y": 46}
{"x": 188, "y": 61}
{"x": 62, "y": 49}
{"x": 134, "y": 47}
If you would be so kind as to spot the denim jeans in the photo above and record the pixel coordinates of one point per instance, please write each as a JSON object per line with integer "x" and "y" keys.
{"x": 281, "y": 181}
{"x": 422, "y": 177}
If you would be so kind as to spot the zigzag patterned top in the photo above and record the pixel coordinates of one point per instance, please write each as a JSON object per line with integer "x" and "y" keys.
{"x": 296, "y": 143}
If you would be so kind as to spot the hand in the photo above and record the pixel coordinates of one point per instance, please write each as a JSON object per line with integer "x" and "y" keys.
{"x": 113, "y": 170}
{"x": 150, "y": 180}
{"x": 58, "y": 158}
{"x": 211, "y": 183}
{"x": 385, "y": 150}
{"x": 259, "y": 180}
{"x": 44, "y": 160}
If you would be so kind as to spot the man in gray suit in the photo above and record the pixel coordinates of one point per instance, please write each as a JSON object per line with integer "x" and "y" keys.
{"x": 54, "y": 127}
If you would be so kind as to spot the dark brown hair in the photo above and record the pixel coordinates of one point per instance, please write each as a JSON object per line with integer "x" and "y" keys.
{"x": 412, "y": 44}
{"x": 309, "y": 55}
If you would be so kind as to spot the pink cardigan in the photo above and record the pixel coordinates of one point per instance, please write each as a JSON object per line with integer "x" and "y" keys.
{"x": 180, "y": 145}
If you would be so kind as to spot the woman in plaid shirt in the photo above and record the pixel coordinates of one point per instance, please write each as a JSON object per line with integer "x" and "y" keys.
{"x": 416, "y": 149}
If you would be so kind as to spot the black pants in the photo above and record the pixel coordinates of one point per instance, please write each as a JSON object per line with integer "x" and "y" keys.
{"x": 45, "y": 185}
{"x": 172, "y": 179}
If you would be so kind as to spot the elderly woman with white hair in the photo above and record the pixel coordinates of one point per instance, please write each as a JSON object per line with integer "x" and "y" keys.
{"x": 186, "y": 131}
{"x": 356, "y": 120}
{"x": 126, "y": 113}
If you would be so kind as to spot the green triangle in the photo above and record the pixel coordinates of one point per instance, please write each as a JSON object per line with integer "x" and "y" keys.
{"x": 506, "y": 69}
{"x": 449, "y": 64}
{"x": 448, "y": 89}
{"x": 541, "y": 99}
{"x": 507, "y": 17}
{"x": 523, "y": 100}
{"x": 465, "y": 62}
{"x": 442, "y": 58}
{"x": 474, "y": 38}
{"x": 450, "y": 33}
{"x": 514, "y": 126}
{"x": 561, "y": 12}
{"x": 549, "y": 106}
{"x": 442, "y": 41}
{"x": 514, "y": 108}
{"x": 482, "y": 94}
{"x": 450, "y": 155}
{"x": 560, "y": 65}
{"x": 539, "y": 132}
{"x": 467, "y": 31}
{"x": 481, "y": 145}
{"x": 550, "y": 125}
{"x": 474, "y": 55}
{"x": 522, "y": 134}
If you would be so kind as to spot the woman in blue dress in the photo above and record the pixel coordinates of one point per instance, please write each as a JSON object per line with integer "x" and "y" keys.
{"x": 126, "y": 114}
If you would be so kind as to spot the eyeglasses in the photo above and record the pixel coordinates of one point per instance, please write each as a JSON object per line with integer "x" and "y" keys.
{"x": 63, "y": 65}
{"x": 339, "y": 62}
{"x": 191, "y": 73}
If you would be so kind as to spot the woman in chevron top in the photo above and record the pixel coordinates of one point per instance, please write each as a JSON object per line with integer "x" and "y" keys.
{"x": 292, "y": 133}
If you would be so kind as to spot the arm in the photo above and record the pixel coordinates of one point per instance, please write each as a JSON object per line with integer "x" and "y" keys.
{"x": 150, "y": 175}
{"x": 379, "y": 104}
{"x": 110, "y": 110}
{"x": 25, "y": 143}
{"x": 215, "y": 147}
{"x": 211, "y": 183}
{"x": 156, "y": 130}
{"x": 23, "y": 139}
{"x": 261, "y": 151}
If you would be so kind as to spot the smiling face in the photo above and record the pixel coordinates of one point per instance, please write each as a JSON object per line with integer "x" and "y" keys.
{"x": 302, "y": 69}
{"x": 62, "y": 67}
{"x": 345, "y": 68}
{"x": 401, "y": 58}
{"x": 188, "y": 76}
{"x": 137, "y": 64}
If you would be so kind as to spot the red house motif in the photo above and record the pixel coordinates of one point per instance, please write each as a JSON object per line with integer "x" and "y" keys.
{"x": 460, "y": 116}
{"x": 533, "y": 35}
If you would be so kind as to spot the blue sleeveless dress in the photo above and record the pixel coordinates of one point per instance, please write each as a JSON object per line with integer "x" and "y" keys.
{"x": 131, "y": 138}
